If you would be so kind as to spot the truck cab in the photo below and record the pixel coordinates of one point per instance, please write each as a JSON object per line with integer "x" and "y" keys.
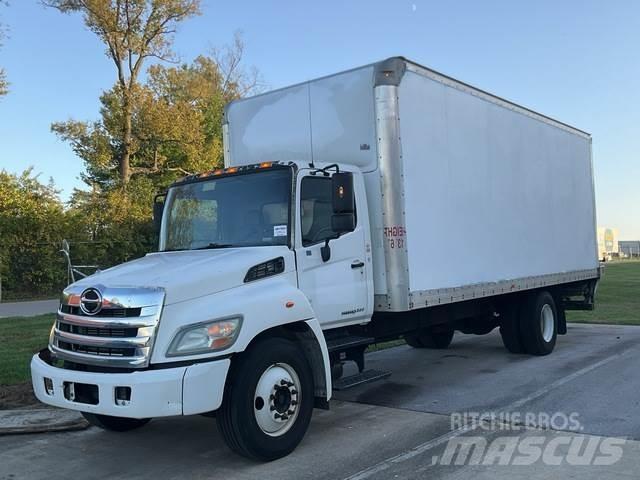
{"x": 253, "y": 263}
{"x": 268, "y": 206}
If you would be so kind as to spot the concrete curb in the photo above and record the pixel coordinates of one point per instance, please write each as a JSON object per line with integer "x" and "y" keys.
{"x": 40, "y": 420}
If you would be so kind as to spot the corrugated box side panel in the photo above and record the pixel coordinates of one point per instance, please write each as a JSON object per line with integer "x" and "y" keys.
{"x": 491, "y": 193}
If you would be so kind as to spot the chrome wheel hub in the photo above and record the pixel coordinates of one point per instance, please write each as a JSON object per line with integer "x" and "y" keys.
{"x": 546, "y": 322}
{"x": 277, "y": 399}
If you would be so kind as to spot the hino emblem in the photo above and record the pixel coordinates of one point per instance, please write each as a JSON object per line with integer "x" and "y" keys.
{"x": 91, "y": 301}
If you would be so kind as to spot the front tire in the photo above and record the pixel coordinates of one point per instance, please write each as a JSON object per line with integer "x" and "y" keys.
{"x": 268, "y": 400}
{"x": 115, "y": 424}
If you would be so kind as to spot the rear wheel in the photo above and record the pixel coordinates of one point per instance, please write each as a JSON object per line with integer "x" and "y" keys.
{"x": 539, "y": 324}
{"x": 437, "y": 338}
{"x": 268, "y": 400}
{"x": 115, "y": 424}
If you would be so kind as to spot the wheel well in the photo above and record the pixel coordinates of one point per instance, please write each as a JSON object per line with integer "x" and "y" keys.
{"x": 301, "y": 333}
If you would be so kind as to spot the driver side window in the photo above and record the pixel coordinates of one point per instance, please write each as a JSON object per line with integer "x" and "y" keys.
{"x": 316, "y": 210}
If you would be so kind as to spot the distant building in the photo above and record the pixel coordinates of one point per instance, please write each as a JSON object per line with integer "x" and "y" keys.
{"x": 607, "y": 243}
{"x": 629, "y": 248}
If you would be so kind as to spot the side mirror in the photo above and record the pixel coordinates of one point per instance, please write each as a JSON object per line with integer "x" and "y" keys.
{"x": 343, "y": 202}
{"x": 158, "y": 208}
{"x": 343, "y": 222}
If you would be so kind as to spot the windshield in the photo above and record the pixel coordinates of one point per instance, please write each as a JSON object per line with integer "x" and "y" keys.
{"x": 243, "y": 210}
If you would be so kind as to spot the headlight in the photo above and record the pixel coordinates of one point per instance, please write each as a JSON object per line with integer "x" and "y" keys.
{"x": 205, "y": 337}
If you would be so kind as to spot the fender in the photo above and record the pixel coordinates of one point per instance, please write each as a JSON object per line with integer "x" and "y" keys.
{"x": 262, "y": 305}
{"x": 314, "y": 325}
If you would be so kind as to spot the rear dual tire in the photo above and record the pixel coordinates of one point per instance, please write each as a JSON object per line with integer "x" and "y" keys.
{"x": 531, "y": 327}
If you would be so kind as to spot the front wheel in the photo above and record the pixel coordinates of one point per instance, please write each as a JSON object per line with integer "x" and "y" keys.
{"x": 115, "y": 424}
{"x": 268, "y": 400}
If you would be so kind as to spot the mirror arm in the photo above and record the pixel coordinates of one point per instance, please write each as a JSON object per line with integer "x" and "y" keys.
{"x": 325, "y": 252}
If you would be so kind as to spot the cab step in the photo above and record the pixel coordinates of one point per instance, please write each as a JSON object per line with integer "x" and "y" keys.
{"x": 345, "y": 342}
{"x": 365, "y": 376}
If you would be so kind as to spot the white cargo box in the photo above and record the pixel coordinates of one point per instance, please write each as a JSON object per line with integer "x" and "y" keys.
{"x": 469, "y": 195}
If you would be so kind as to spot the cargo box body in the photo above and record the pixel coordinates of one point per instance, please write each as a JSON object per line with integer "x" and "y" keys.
{"x": 469, "y": 195}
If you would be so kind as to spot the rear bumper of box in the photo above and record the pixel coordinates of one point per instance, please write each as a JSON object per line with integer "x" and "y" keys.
{"x": 185, "y": 390}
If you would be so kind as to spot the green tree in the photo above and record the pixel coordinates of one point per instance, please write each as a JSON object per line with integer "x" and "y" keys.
{"x": 32, "y": 225}
{"x": 149, "y": 132}
{"x": 34, "y": 221}
{"x": 176, "y": 125}
{"x": 133, "y": 31}
{"x": 180, "y": 129}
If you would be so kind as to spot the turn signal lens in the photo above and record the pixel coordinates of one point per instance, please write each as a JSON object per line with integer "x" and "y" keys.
{"x": 222, "y": 329}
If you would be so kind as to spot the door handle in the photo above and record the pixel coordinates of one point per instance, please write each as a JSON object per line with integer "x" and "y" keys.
{"x": 357, "y": 264}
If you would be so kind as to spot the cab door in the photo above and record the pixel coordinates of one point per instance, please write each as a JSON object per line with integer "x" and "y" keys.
{"x": 340, "y": 289}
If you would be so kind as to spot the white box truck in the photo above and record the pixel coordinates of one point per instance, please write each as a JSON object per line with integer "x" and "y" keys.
{"x": 389, "y": 201}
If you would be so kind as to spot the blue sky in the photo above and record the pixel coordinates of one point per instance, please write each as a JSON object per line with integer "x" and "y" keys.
{"x": 578, "y": 61}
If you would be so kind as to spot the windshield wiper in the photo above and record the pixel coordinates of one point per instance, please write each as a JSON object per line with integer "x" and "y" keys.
{"x": 215, "y": 245}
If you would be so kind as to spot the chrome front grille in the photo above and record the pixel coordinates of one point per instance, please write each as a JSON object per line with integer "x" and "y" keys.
{"x": 110, "y": 312}
{"x": 119, "y": 334}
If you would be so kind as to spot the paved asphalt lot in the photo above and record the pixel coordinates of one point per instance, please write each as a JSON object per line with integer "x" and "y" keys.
{"x": 395, "y": 428}
{"x": 28, "y": 309}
